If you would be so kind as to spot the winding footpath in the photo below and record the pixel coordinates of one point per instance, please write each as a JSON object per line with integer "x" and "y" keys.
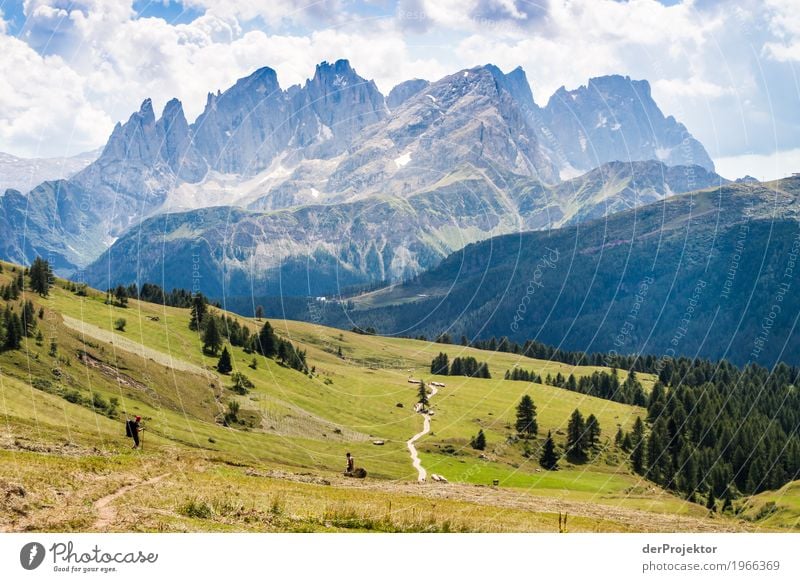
{"x": 422, "y": 474}
{"x": 106, "y": 512}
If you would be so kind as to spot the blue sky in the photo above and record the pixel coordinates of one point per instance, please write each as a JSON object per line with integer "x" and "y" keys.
{"x": 71, "y": 69}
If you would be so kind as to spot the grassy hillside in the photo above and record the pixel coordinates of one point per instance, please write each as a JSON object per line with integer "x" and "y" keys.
{"x": 66, "y": 465}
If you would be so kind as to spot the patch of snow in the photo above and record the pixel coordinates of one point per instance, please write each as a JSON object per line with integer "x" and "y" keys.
{"x": 466, "y": 73}
{"x": 567, "y": 172}
{"x": 339, "y": 81}
{"x": 402, "y": 160}
{"x": 261, "y": 89}
{"x": 314, "y": 193}
{"x": 663, "y": 153}
{"x": 325, "y": 132}
{"x": 574, "y": 96}
{"x": 431, "y": 97}
{"x": 582, "y": 140}
{"x": 603, "y": 121}
{"x": 616, "y": 127}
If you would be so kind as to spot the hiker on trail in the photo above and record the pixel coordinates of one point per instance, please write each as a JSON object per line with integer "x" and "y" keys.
{"x": 132, "y": 430}
{"x": 351, "y": 463}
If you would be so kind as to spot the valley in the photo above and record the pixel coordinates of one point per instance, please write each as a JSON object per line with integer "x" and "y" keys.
{"x": 276, "y": 464}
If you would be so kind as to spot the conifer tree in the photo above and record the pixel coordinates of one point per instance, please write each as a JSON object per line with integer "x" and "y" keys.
{"x": 478, "y": 442}
{"x": 422, "y": 394}
{"x": 592, "y": 433}
{"x": 526, "y": 424}
{"x": 549, "y": 458}
{"x": 267, "y": 342}
{"x": 41, "y": 276}
{"x": 637, "y": 446}
{"x": 198, "y": 311}
{"x": 576, "y": 437}
{"x": 224, "y": 366}
{"x": 440, "y": 365}
{"x": 212, "y": 340}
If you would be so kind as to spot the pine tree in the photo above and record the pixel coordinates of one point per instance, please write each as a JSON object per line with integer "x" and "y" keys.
{"x": 592, "y": 433}
{"x": 121, "y": 296}
{"x": 526, "y": 424}
{"x": 14, "y": 330}
{"x": 637, "y": 446}
{"x": 727, "y": 505}
{"x": 659, "y": 467}
{"x": 259, "y": 313}
{"x": 619, "y": 438}
{"x": 478, "y": 442}
{"x": 549, "y": 457}
{"x": 440, "y": 365}
{"x": 422, "y": 394}
{"x": 29, "y": 318}
{"x": 212, "y": 340}
{"x": 711, "y": 502}
{"x": 41, "y": 276}
{"x": 267, "y": 342}
{"x": 198, "y": 311}
{"x": 224, "y": 366}
{"x": 576, "y": 437}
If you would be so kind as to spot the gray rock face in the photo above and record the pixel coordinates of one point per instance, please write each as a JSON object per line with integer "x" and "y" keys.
{"x": 614, "y": 118}
{"x": 404, "y": 91}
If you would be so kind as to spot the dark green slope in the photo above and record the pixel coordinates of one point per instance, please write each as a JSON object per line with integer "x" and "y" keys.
{"x": 710, "y": 274}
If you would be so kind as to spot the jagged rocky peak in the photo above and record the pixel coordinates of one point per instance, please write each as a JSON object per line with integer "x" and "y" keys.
{"x": 615, "y": 118}
{"x": 515, "y": 83}
{"x": 404, "y": 91}
{"x": 136, "y": 139}
{"x": 177, "y": 148}
{"x": 343, "y": 101}
{"x": 242, "y": 129}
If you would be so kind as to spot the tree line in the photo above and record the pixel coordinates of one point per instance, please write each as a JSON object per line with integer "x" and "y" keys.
{"x": 466, "y": 366}
{"x": 719, "y": 432}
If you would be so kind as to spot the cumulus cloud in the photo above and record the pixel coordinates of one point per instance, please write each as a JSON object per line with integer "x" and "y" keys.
{"x": 90, "y": 63}
{"x": 44, "y": 105}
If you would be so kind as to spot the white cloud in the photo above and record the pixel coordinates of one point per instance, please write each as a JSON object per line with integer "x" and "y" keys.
{"x": 44, "y": 106}
{"x": 699, "y": 59}
{"x": 783, "y": 18}
{"x": 772, "y": 166}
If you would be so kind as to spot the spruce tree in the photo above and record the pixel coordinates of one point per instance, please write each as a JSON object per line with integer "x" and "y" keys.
{"x": 478, "y": 442}
{"x": 592, "y": 433}
{"x": 41, "y": 276}
{"x": 526, "y": 424}
{"x": 29, "y": 318}
{"x": 440, "y": 365}
{"x": 14, "y": 330}
{"x": 198, "y": 311}
{"x": 422, "y": 394}
{"x": 576, "y": 437}
{"x": 549, "y": 458}
{"x": 619, "y": 438}
{"x": 637, "y": 446}
{"x": 711, "y": 502}
{"x": 212, "y": 340}
{"x": 224, "y": 366}
{"x": 267, "y": 342}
